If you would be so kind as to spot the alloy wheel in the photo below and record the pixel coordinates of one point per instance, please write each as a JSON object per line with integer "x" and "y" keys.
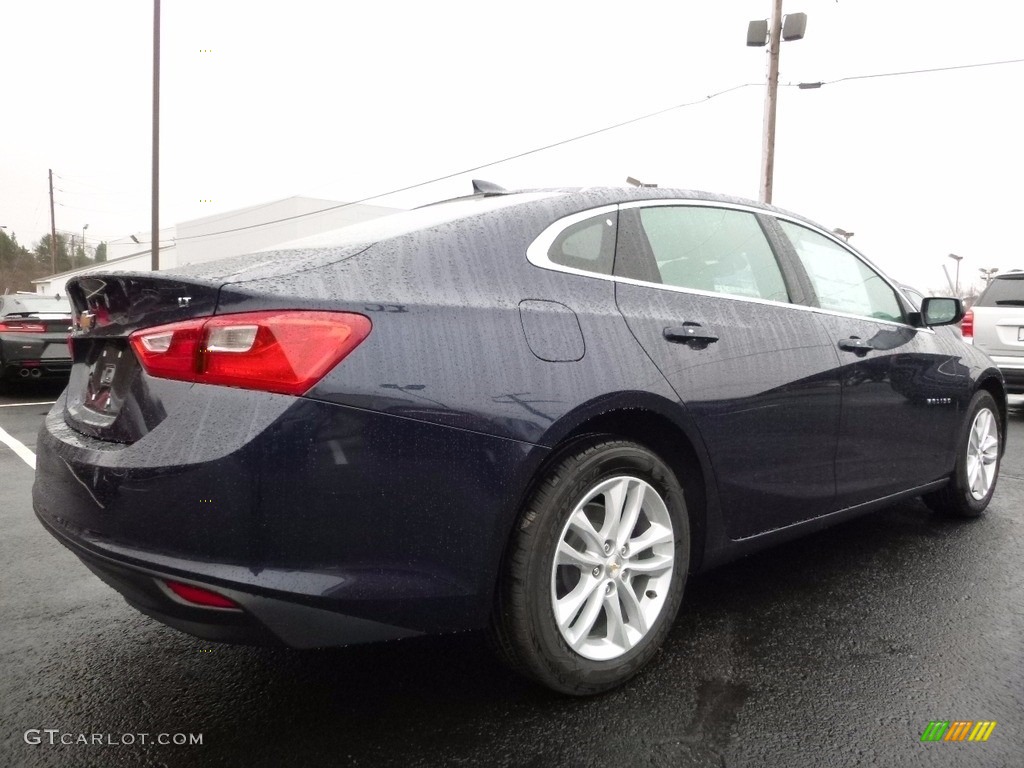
{"x": 613, "y": 567}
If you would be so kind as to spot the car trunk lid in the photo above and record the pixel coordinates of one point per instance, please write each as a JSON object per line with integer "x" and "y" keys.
{"x": 109, "y": 397}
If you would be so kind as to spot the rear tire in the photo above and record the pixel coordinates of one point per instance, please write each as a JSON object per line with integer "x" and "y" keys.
{"x": 595, "y": 570}
{"x": 974, "y": 479}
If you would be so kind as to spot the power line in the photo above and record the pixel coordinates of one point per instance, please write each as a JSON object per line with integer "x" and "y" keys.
{"x": 478, "y": 167}
{"x": 906, "y": 72}
{"x": 572, "y": 139}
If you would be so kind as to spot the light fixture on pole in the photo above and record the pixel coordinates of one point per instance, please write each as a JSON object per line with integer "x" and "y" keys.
{"x": 988, "y": 274}
{"x": 843, "y": 233}
{"x": 958, "y": 259}
{"x": 761, "y": 32}
{"x": 637, "y": 183}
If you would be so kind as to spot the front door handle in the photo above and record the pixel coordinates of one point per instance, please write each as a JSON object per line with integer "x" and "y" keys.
{"x": 693, "y": 335}
{"x": 856, "y": 345}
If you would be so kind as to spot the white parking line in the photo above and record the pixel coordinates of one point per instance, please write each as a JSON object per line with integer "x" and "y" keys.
{"x": 18, "y": 405}
{"x": 19, "y": 448}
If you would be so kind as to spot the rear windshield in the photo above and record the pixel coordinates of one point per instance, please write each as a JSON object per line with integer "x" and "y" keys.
{"x": 404, "y": 222}
{"x": 46, "y": 305}
{"x": 1004, "y": 291}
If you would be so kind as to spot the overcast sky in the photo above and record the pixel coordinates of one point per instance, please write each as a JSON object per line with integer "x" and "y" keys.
{"x": 344, "y": 100}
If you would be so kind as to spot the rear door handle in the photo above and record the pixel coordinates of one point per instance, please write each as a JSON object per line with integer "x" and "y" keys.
{"x": 856, "y": 345}
{"x": 692, "y": 335}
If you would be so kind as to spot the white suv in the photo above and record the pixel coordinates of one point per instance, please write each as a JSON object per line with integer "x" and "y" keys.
{"x": 996, "y": 324}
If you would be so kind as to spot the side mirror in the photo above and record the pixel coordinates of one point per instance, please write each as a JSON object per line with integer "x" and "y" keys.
{"x": 941, "y": 311}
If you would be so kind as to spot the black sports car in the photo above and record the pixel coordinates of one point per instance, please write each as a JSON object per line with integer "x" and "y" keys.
{"x": 34, "y": 337}
{"x": 534, "y": 412}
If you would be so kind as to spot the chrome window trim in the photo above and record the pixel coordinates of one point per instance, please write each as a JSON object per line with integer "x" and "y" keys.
{"x": 537, "y": 254}
{"x": 537, "y": 251}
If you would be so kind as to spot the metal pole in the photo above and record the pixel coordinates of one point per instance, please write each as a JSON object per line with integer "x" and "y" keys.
{"x": 53, "y": 230}
{"x": 768, "y": 147}
{"x": 155, "y": 237}
{"x": 3, "y": 245}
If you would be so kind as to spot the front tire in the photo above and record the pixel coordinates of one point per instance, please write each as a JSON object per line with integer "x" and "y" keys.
{"x": 595, "y": 570}
{"x": 973, "y": 482}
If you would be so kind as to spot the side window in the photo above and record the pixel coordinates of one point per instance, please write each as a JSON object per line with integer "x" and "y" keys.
{"x": 843, "y": 282}
{"x": 713, "y": 249}
{"x": 588, "y": 245}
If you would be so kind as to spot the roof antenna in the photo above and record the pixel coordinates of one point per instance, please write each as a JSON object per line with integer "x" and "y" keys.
{"x": 481, "y": 187}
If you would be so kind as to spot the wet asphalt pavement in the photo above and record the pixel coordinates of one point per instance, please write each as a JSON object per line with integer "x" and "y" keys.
{"x": 834, "y": 650}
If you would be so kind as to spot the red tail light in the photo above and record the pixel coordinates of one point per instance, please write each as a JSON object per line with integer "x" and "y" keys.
{"x": 967, "y": 325}
{"x": 22, "y": 326}
{"x": 200, "y": 596}
{"x": 286, "y": 351}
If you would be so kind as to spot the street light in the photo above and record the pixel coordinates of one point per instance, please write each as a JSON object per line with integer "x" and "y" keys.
{"x": 843, "y": 233}
{"x": 84, "y": 227}
{"x": 988, "y": 274}
{"x": 761, "y": 32}
{"x": 958, "y": 259}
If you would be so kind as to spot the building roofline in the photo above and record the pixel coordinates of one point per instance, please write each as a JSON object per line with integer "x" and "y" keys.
{"x": 98, "y": 265}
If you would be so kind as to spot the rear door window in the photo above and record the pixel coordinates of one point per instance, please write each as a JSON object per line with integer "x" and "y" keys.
{"x": 718, "y": 250}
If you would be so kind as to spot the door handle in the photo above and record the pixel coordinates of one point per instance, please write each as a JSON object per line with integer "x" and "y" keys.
{"x": 856, "y": 345}
{"x": 693, "y": 335}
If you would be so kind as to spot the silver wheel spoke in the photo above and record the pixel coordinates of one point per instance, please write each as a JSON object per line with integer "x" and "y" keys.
{"x": 617, "y": 633}
{"x": 567, "y": 608}
{"x": 652, "y": 565}
{"x": 650, "y": 538}
{"x": 634, "y": 611}
{"x": 614, "y": 499}
{"x": 581, "y": 629}
{"x": 569, "y": 555}
{"x": 630, "y": 514}
{"x": 581, "y": 524}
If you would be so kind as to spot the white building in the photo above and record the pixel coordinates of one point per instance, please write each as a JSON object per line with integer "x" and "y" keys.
{"x": 233, "y": 233}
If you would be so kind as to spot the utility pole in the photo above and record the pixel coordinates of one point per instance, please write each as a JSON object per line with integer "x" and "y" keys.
{"x": 3, "y": 242}
{"x": 772, "y": 32}
{"x": 53, "y": 230}
{"x": 770, "y": 103}
{"x": 155, "y": 237}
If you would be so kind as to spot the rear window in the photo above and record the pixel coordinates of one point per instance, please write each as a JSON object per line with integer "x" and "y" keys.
{"x": 588, "y": 245}
{"x": 404, "y": 222}
{"x": 1005, "y": 291}
{"x": 46, "y": 305}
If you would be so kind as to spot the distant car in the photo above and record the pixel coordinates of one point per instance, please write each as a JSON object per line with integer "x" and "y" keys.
{"x": 996, "y": 324}
{"x": 533, "y": 412}
{"x": 34, "y": 337}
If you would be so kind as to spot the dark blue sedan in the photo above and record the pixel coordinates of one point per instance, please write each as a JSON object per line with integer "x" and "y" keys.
{"x": 534, "y": 412}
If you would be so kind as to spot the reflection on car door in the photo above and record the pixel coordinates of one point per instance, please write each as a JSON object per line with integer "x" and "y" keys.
{"x": 901, "y": 385}
{"x": 756, "y": 375}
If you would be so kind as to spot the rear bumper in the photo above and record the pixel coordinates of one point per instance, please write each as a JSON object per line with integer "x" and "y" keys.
{"x": 329, "y": 525}
{"x": 32, "y": 356}
{"x": 263, "y": 618}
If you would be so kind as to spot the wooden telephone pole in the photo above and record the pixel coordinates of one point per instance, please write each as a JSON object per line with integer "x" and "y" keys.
{"x": 154, "y": 257}
{"x": 53, "y": 230}
{"x": 770, "y": 103}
